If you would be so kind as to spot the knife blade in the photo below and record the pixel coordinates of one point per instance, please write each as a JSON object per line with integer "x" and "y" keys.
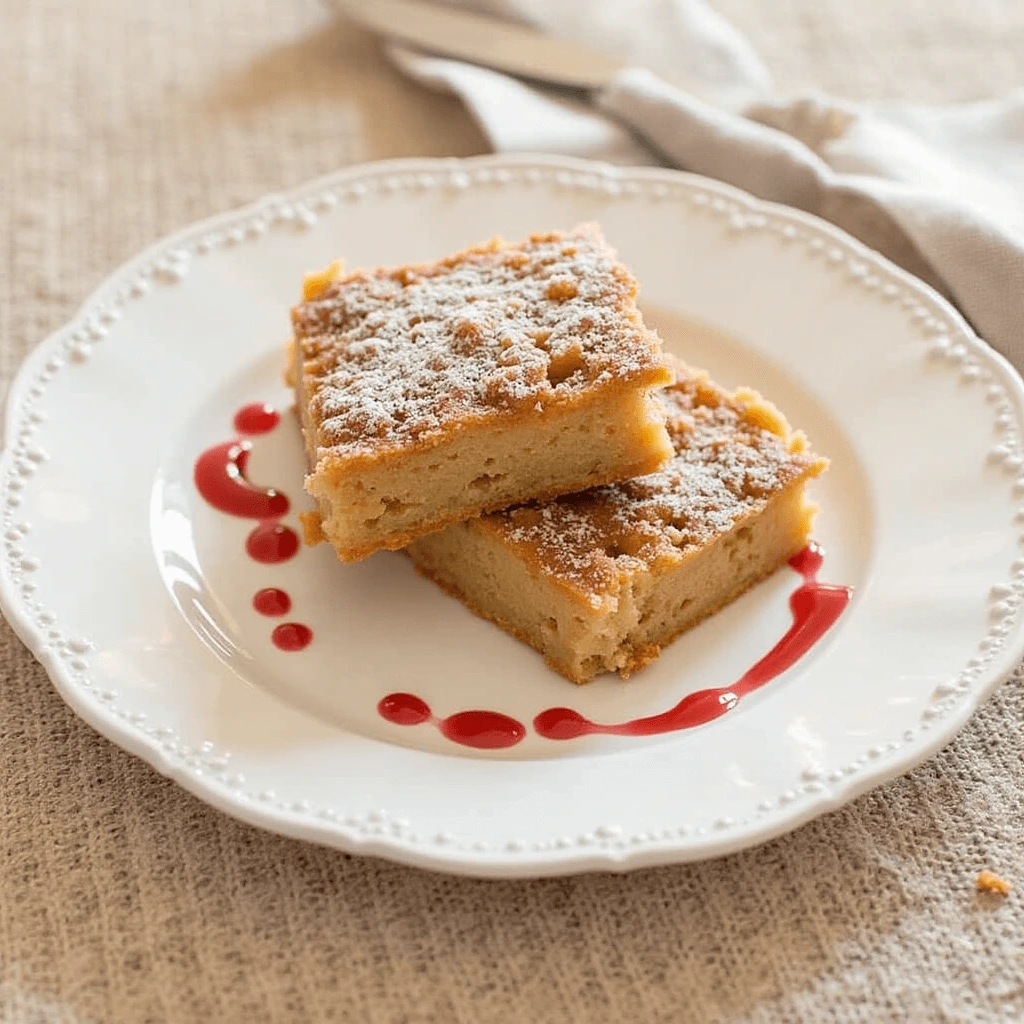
{"x": 479, "y": 39}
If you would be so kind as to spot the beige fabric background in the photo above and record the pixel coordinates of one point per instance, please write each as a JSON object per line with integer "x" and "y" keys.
{"x": 123, "y": 898}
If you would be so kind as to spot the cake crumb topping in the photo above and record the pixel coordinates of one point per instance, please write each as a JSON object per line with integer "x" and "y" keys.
{"x": 397, "y": 356}
{"x": 728, "y": 463}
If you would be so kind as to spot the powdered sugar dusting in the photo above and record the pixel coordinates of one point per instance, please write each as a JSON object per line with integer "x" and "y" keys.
{"x": 726, "y": 467}
{"x": 397, "y": 356}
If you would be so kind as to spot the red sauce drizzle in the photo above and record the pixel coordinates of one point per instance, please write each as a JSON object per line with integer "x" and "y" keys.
{"x": 220, "y": 479}
{"x": 291, "y": 636}
{"x": 815, "y": 607}
{"x": 256, "y": 418}
{"x": 272, "y": 601}
{"x": 485, "y": 730}
{"x": 272, "y": 542}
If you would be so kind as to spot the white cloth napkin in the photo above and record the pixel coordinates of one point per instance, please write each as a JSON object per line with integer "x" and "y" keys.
{"x": 940, "y": 191}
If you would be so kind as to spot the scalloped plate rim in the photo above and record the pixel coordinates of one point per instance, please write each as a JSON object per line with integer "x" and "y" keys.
{"x": 526, "y": 863}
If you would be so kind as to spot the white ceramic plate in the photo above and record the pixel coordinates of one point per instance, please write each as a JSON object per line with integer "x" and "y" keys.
{"x": 137, "y": 596}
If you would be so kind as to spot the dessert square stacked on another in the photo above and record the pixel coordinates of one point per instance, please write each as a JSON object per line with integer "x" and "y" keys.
{"x": 505, "y": 416}
{"x": 434, "y": 392}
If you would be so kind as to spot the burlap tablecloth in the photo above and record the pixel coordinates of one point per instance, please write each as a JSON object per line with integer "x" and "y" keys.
{"x": 123, "y": 898}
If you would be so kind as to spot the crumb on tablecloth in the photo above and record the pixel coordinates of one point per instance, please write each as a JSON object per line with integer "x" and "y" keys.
{"x": 989, "y": 881}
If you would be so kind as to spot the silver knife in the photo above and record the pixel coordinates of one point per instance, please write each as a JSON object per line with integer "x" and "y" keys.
{"x": 496, "y": 44}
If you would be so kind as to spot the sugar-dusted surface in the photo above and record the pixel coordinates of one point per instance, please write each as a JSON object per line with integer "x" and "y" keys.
{"x": 398, "y": 356}
{"x": 733, "y": 452}
{"x": 128, "y": 899}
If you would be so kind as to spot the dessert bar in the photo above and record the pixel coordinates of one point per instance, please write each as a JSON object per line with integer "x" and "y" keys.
{"x": 431, "y": 393}
{"x": 601, "y": 581}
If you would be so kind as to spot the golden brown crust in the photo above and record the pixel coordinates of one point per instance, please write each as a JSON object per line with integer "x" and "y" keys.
{"x": 316, "y": 284}
{"x": 312, "y": 528}
{"x": 291, "y": 371}
{"x": 637, "y": 658}
{"x": 404, "y": 358}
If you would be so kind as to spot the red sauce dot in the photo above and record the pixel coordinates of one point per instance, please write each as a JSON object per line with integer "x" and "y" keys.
{"x": 291, "y": 636}
{"x": 562, "y": 724}
{"x": 404, "y": 709}
{"x": 808, "y": 561}
{"x": 272, "y": 601}
{"x": 277, "y": 503}
{"x": 271, "y": 542}
{"x": 485, "y": 730}
{"x": 256, "y": 418}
